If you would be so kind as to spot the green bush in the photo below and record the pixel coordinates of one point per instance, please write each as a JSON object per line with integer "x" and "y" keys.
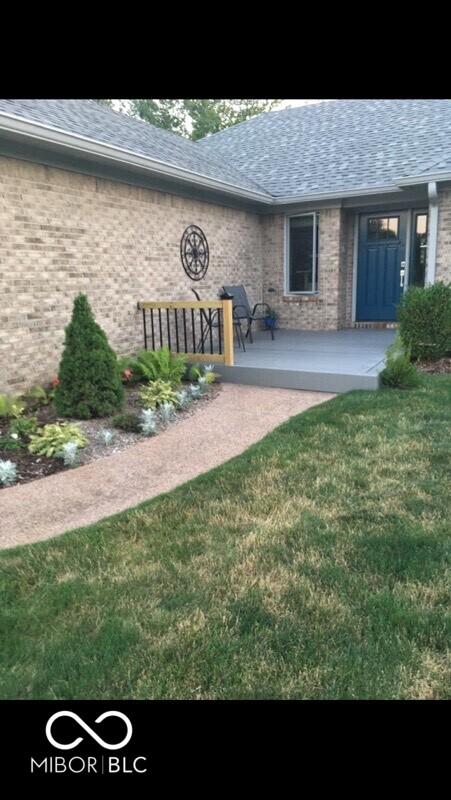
{"x": 161, "y": 365}
{"x": 49, "y": 440}
{"x": 10, "y": 407}
{"x": 127, "y": 422}
{"x": 36, "y": 397}
{"x": 90, "y": 382}
{"x": 8, "y": 443}
{"x": 24, "y": 427}
{"x": 425, "y": 321}
{"x": 157, "y": 393}
{"x": 399, "y": 372}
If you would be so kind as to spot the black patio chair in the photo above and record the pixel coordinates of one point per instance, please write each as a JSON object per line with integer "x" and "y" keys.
{"x": 242, "y": 309}
{"x": 212, "y": 321}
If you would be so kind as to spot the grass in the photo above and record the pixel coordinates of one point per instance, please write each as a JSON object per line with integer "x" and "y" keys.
{"x": 314, "y": 565}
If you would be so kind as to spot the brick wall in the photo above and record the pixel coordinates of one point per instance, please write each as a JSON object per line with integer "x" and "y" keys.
{"x": 63, "y": 232}
{"x": 331, "y": 308}
{"x": 443, "y": 261}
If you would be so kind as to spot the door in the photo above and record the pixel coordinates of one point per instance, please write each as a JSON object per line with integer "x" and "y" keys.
{"x": 381, "y": 265}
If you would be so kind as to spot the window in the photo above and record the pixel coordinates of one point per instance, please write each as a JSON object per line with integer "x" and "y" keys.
{"x": 419, "y": 249}
{"x": 382, "y": 228}
{"x": 302, "y": 253}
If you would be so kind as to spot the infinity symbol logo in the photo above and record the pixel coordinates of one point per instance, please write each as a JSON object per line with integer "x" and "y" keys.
{"x": 48, "y": 730}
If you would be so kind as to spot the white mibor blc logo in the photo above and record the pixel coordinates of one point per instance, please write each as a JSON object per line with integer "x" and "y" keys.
{"x": 93, "y": 734}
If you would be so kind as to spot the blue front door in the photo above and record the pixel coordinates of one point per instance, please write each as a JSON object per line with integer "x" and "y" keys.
{"x": 381, "y": 257}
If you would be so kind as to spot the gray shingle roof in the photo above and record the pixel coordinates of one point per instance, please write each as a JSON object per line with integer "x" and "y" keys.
{"x": 337, "y": 145}
{"x": 328, "y": 147}
{"x": 89, "y": 119}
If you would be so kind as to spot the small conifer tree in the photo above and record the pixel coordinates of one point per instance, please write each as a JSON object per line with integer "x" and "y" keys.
{"x": 89, "y": 378}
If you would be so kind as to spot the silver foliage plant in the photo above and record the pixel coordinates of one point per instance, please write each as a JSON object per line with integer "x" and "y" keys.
{"x": 202, "y": 384}
{"x": 107, "y": 436}
{"x": 69, "y": 454}
{"x": 148, "y": 422}
{"x": 8, "y": 473}
{"x": 183, "y": 398}
{"x": 195, "y": 391}
{"x": 167, "y": 411}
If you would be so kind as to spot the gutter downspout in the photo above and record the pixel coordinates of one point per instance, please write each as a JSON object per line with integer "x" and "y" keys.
{"x": 432, "y": 233}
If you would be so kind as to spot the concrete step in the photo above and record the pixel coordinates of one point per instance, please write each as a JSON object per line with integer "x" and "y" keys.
{"x": 316, "y": 381}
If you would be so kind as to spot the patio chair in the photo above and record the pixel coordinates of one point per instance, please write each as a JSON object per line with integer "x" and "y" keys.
{"x": 242, "y": 309}
{"x": 213, "y": 322}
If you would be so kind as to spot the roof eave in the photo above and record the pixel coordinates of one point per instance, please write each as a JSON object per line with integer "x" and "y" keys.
{"x": 337, "y": 195}
{"x": 429, "y": 177}
{"x": 54, "y": 136}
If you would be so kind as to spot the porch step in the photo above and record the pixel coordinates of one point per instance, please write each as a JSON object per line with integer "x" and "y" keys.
{"x": 315, "y": 381}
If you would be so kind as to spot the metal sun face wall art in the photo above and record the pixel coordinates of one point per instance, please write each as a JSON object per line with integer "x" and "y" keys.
{"x": 194, "y": 252}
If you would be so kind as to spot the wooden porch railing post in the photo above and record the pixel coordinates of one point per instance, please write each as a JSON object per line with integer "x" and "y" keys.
{"x": 228, "y": 332}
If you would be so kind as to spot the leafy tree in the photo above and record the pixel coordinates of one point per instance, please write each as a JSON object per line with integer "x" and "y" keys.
{"x": 168, "y": 114}
{"x": 108, "y": 103}
{"x": 211, "y": 116}
{"x": 198, "y": 118}
{"x": 89, "y": 378}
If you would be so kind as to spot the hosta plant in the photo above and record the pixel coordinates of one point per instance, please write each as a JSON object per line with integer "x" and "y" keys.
{"x": 157, "y": 393}
{"x": 69, "y": 453}
{"x": 209, "y": 374}
{"x": 148, "y": 422}
{"x": 50, "y": 440}
{"x": 11, "y": 407}
{"x": 8, "y": 473}
{"x": 206, "y": 371}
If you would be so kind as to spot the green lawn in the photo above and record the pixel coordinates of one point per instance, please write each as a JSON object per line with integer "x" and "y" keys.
{"x": 315, "y": 565}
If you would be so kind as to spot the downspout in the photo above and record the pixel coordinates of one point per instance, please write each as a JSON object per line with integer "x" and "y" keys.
{"x": 432, "y": 233}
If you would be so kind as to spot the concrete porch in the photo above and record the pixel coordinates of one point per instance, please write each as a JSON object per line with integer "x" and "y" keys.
{"x": 324, "y": 361}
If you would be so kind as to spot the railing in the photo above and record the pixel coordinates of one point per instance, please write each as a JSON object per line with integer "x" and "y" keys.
{"x": 202, "y": 329}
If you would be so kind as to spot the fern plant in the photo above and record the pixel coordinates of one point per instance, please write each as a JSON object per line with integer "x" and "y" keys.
{"x": 157, "y": 393}
{"x": 8, "y": 473}
{"x": 50, "y": 439}
{"x": 161, "y": 365}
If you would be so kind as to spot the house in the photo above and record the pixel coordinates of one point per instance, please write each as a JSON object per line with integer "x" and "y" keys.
{"x": 326, "y": 211}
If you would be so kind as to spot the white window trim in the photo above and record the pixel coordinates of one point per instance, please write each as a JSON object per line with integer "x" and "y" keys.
{"x": 286, "y": 283}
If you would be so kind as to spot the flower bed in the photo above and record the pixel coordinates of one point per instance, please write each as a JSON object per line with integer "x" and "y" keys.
{"x": 98, "y": 404}
{"x": 32, "y": 466}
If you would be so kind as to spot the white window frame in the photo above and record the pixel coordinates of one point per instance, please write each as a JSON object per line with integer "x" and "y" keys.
{"x": 315, "y": 254}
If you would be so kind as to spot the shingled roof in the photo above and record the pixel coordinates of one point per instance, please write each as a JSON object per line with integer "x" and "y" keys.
{"x": 93, "y": 121}
{"x": 325, "y": 148}
{"x": 338, "y": 145}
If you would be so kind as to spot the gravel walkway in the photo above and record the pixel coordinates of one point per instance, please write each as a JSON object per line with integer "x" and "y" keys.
{"x": 238, "y": 417}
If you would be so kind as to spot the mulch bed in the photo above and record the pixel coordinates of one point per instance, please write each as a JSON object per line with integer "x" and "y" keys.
{"x": 30, "y": 467}
{"x": 441, "y": 367}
